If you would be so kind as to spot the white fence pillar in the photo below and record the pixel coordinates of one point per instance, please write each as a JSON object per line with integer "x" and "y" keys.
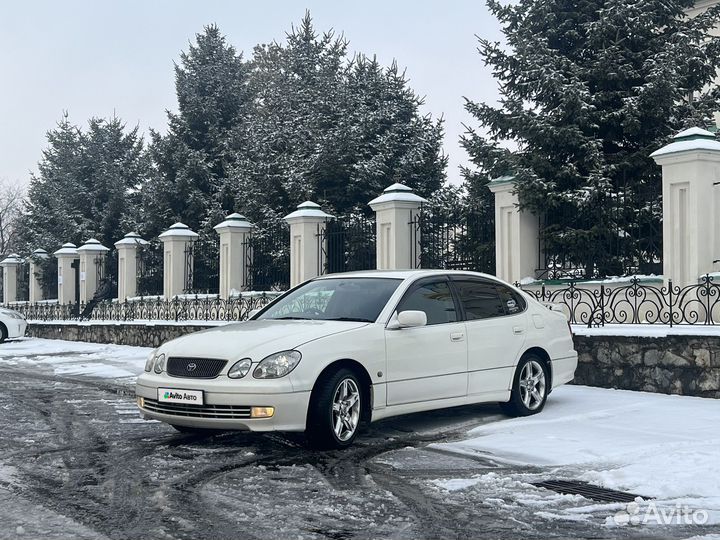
{"x": 306, "y": 260}
{"x": 234, "y": 233}
{"x": 10, "y": 267}
{"x": 398, "y": 238}
{"x": 92, "y": 267}
{"x": 35, "y": 292}
{"x": 690, "y": 172}
{"x": 66, "y": 255}
{"x": 516, "y": 234}
{"x": 176, "y": 240}
{"x": 127, "y": 250}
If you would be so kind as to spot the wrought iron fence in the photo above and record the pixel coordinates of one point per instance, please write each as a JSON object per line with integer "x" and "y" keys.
{"x": 347, "y": 244}
{"x": 23, "y": 281}
{"x": 266, "y": 252}
{"x": 454, "y": 239}
{"x": 637, "y": 303}
{"x": 197, "y": 308}
{"x": 150, "y": 268}
{"x": 202, "y": 265}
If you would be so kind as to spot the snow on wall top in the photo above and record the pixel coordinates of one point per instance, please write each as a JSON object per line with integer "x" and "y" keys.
{"x": 690, "y": 139}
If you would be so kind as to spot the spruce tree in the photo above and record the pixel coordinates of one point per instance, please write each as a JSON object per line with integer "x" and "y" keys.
{"x": 588, "y": 90}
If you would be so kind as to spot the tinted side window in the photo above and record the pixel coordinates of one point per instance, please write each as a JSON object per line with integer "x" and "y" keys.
{"x": 480, "y": 299}
{"x": 435, "y": 299}
{"x": 513, "y": 302}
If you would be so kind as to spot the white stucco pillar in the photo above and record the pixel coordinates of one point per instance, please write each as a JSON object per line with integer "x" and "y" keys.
{"x": 398, "y": 237}
{"x": 690, "y": 171}
{"x": 516, "y": 234}
{"x": 10, "y": 267}
{"x": 127, "y": 250}
{"x": 66, "y": 273}
{"x": 234, "y": 233}
{"x": 35, "y": 285}
{"x": 175, "y": 241}
{"x": 92, "y": 262}
{"x": 306, "y": 259}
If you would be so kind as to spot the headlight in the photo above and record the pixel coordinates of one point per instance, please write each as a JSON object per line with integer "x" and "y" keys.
{"x": 150, "y": 361}
{"x": 277, "y": 365}
{"x": 240, "y": 368}
{"x": 160, "y": 363}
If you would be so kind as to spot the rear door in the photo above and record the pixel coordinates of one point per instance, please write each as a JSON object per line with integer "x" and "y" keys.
{"x": 496, "y": 324}
{"x": 428, "y": 362}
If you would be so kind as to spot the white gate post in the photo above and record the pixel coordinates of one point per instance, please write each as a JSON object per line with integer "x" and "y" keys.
{"x": 10, "y": 267}
{"x": 66, "y": 273}
{"x": 398, "y": 243}
{"x": 35, "y": 285}
{"x": 175, "y": 241}
{"x": 127, "y": 250}
{"x": 91, "y": 254}
{"x": 516, "y": 234}
{"x": 691, "y": 200}
{"x": 305, "y": 255}
{"x": 234, "y": 233}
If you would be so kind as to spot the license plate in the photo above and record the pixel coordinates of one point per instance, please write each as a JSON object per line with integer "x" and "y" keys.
{"x": 174, "y": 395}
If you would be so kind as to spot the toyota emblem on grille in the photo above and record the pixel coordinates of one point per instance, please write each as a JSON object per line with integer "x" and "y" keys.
{"x": 192, "y": 366}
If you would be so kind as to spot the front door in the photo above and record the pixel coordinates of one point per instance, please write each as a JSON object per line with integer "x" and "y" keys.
{"x": 427, "y": 362}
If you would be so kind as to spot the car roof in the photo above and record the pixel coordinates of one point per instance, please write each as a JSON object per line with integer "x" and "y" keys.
{"x": 405, "y": 274}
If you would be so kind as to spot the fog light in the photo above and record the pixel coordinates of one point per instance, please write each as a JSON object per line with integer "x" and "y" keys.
{"x": 141, "y": 401}
{"x": 262, "y": 412}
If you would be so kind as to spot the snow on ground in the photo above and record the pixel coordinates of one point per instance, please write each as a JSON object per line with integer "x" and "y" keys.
{"x": 119, "y": 363}
{"x": 654, "y": 445}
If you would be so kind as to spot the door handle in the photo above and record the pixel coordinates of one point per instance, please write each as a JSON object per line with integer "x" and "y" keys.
{"x": 457, "y": 336}
{"x": 518, "y": 330}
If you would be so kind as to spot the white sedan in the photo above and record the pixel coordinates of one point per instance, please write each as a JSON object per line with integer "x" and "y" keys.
{"x": 346, "y": 349}
{"x": 12, "y": 324}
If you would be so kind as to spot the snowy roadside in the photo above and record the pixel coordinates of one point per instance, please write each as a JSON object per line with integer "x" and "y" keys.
{"x": 118, "y": 363}
{"x": 662, "y": 447}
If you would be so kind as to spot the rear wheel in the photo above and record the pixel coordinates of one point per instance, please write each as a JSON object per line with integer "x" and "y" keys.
{"x": 530, "y": 388}
{"x": 3, "y": 333}
{"x": 335, "y": 410}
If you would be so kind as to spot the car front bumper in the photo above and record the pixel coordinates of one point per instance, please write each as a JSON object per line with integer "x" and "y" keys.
{"x": 224, "y": 408}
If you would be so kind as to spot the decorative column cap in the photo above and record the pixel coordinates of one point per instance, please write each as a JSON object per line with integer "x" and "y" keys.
{"x": 397, "y": 193}
{"x": 131, "y": 239}
{"x": 179, "y": 230}
{"x": 692, "y": 139}
{"x": 234, "y": 221}
{"x": 67, "y": 249}
{"x": 502, "y": 183}
{"x": 12, "y": 260}
{"x": 308, "y": 209}
{"x": 92, "y": 245}
{"x": 39, "y": 254}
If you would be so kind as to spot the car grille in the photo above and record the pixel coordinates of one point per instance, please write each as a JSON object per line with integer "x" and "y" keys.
{"x": 197, "y": 368}
{"x": 228, "y": 412}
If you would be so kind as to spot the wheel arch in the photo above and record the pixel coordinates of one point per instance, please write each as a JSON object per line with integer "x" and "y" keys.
{"x": 5, "y": 334}
{"x": 365, "y": 383}
{"x": 545, "y": 357}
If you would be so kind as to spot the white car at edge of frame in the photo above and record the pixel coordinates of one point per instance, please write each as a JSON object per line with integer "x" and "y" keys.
{"x": 343, "y": 350}
{"x": 12, "y": 324}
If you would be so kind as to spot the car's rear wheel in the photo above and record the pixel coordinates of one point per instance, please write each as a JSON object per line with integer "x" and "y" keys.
{"x": 3, "y": 333}
{"x": 530, "y": 387}
{"x": 335, "y": 410}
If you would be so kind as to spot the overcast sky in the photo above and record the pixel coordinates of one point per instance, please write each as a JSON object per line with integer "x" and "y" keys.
{"x": 94, "y": 58}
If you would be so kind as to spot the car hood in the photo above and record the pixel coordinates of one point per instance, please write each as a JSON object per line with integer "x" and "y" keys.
{"x": 254, "y": 339}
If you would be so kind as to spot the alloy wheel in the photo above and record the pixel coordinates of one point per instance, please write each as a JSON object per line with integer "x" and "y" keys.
{"x": 346, "y": 409}
{"x": 532, "y": 385}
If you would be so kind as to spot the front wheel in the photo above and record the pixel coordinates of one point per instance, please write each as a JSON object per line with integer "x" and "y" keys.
{"x": 335, "y": 410}
{"x": 530, "y": 388}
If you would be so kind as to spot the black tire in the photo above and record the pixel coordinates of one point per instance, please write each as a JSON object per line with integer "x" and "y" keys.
{"x": 320, "y": 430}
{"x": 3, "y": 333}
{"x": 517, "y": 406}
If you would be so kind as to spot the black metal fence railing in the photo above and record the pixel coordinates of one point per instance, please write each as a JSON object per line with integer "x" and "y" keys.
{"x": 150, "y": 268}
{"x": 203, "y": 273}
{"x": 199, "y": 308}
{"x": 266, "y": 252}
{"x": 347, "y": 244}
{"x": 637, "y": 303}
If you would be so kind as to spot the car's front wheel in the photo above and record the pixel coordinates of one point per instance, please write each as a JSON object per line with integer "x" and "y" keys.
{"x": 530, "y": 388}
{"x": 335, "y": 410}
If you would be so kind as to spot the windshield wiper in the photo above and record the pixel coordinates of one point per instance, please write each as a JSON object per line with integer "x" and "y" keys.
{"x": 351, "y": 319}
{"x": 291, "y": 318}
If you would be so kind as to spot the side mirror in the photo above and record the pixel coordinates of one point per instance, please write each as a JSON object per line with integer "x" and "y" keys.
{"x": 252, "y": 313}
{"x": 411, "y": 319}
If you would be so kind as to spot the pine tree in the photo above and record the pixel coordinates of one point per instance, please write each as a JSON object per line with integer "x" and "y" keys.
{"x": 588, "y": 90}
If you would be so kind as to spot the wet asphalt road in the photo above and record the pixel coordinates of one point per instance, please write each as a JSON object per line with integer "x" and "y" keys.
{"x": 76, "y": 461}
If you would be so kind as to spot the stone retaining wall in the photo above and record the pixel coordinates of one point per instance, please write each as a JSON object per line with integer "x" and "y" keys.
{"x": 688, "y": 365}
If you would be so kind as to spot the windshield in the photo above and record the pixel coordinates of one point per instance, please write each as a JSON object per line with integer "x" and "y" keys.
{"x": 337, "y": 299}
